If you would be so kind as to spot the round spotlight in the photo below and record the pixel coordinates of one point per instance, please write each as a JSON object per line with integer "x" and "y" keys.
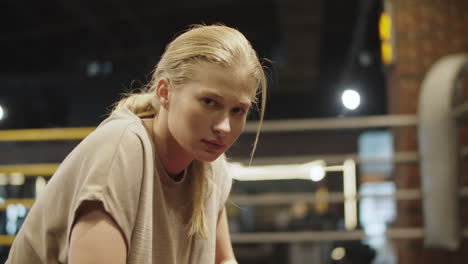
{"x": 316, "y": 173}
{"x": 338, "y": 253}
{"x": 351, "y": 99}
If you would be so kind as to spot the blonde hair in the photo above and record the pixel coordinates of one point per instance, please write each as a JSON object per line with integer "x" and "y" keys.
{"x": 217, "y": 44}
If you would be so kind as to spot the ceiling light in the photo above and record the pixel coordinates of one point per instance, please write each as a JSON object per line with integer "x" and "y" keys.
{"x": 351, "y": 99}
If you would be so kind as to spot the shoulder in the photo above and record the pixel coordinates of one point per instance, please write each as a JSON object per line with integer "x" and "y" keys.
{"x": 220, "y": 168}
{"x": 121, "y": 128}
{"x": 120, "y": 123}
{"x": 121, "y": 137}
{"x": 222, "y": 179}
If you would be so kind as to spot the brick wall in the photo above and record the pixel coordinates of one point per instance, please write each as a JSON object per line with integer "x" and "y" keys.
{"x": 426, "y": 30}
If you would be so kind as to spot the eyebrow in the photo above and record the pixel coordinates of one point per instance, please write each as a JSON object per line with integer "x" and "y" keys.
{"x": 245, "y": 103}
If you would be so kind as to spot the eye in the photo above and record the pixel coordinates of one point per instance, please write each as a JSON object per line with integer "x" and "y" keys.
{"x": 239, "y": 111}
{"x": 208, "y": 101}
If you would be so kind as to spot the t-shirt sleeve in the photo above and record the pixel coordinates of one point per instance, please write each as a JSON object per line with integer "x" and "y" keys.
{"x": 111, "y": 165}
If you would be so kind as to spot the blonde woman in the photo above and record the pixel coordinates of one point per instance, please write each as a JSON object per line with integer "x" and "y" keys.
{"x": 149, "y": 185}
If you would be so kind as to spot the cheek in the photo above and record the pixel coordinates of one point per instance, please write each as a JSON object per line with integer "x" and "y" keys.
{"x": 237, "y": 129}
{"x": 192, "y": 123}
{"x": 181, "y": 124}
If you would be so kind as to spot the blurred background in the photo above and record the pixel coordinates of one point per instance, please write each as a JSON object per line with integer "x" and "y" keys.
{"x": 345, "y": 79}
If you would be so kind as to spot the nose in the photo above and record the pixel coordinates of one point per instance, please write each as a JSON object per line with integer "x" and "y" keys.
{"x": 223, "y": 126}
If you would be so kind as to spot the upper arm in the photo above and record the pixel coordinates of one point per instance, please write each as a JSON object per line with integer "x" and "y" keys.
{"x": 95, "y": 237}
{"x": 224, "y": 250}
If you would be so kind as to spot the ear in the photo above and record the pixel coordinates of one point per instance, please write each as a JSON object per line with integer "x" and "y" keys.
{"x": 162, "y": 92}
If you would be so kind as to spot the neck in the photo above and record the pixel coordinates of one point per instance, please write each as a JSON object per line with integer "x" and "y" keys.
{"x": 174, "y": 159}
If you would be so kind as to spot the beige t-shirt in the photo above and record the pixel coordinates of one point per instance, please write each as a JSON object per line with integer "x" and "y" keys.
{"x": 117, "y": 164}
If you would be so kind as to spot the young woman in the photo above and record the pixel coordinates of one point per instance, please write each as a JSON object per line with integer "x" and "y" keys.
{"x": 149, "y": 185}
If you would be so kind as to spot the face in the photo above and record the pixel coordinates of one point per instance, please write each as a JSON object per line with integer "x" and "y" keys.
{"x": 207, "y": 114}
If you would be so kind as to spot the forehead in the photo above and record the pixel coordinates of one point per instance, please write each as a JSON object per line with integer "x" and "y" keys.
{"x": 228, "y": 83}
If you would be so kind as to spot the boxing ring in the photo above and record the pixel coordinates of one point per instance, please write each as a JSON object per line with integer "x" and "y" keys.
{"x": 441, "y": 206}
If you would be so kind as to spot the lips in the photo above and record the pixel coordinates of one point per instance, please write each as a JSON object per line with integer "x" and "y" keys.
{"x": 213, "y": 145}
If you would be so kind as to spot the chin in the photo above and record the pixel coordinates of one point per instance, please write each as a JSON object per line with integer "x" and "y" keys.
{"x": 209, "y": 158}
